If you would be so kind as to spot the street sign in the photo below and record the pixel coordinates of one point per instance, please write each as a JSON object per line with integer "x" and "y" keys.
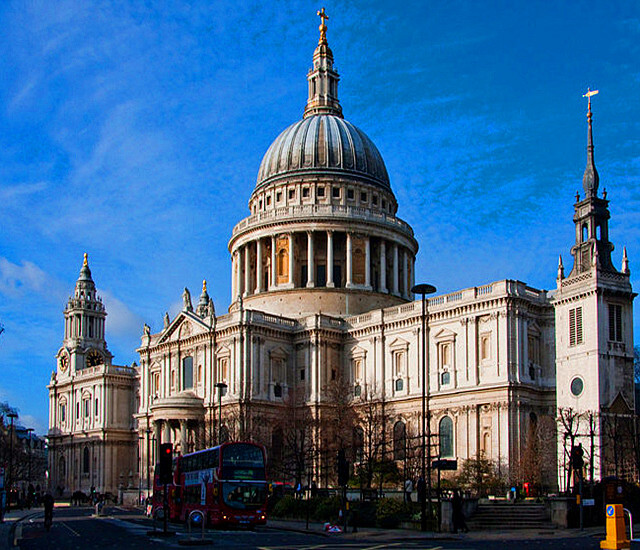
{"x": 445, "y": 464}
{"x": 588, "y": 502}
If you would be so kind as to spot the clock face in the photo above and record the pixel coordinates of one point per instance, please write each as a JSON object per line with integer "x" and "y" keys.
{"x": 94, "y": 358}
{"x": 64, "y": 362}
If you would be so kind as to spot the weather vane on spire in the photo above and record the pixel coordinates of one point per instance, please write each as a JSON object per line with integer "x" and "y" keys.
{"x": 588, "y": 95}
{"x": 323, "y": 28}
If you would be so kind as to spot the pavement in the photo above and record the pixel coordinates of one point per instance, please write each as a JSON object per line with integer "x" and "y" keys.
{"x": 389, "y": 535}
{"x": 11, "y": 529}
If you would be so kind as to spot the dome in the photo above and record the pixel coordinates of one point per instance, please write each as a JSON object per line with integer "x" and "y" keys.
{"x": 323, "y": 143}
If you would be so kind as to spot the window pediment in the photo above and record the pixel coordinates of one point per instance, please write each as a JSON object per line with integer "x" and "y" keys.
{"x": 445, "y": 335}
{"x": 399, "y": 345}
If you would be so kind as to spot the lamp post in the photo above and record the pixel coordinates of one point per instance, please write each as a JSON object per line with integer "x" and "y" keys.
{"x": 148, "y": 431}
{"x": 12, "y": 416}
{"x": 221, "y": 387}
{"x": 423, "y": 290}
{"x": 29, "y": 431}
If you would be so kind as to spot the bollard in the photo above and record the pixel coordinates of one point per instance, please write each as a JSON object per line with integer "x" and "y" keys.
{"x": 616, "y": 529}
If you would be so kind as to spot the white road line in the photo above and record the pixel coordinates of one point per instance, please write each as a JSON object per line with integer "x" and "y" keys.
{"x": 72, "y": 530}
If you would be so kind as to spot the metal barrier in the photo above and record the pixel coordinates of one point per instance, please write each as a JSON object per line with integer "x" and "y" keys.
{"x": 630, "y": 523}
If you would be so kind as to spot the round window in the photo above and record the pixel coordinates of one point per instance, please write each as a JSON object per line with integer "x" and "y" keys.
{"x": 577, "y": 385}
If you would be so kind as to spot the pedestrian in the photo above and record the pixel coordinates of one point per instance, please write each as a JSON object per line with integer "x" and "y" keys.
{"x": 48, "y": 503}
{"x": 458, "y": 513}
{"x": 408, "y": 489}
{"x": 422, "y": 489}
{"x": 314, "y": 489}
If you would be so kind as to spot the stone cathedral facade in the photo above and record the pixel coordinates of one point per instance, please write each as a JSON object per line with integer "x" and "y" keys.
{"x": 322, "y": 271}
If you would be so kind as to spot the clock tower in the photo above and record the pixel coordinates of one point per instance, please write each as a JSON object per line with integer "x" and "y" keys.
{"x": 91, "y": 402}
{"x": 84, "y": 345}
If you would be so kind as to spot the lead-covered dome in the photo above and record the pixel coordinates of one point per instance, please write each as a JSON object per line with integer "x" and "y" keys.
{"x": 323, "y": 142}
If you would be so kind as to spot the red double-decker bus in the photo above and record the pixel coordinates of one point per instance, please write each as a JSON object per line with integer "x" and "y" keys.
{"x": 226, "y": 483}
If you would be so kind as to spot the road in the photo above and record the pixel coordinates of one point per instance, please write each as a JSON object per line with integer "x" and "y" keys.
{"x": 76, "y": 528}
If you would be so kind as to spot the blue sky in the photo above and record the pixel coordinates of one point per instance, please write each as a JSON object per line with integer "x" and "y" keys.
{"x": 134, "y": 131}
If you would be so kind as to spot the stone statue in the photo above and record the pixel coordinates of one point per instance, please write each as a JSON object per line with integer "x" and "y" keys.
{"x": 167, "y": 321}
{"x": 147, "y": 330}
{"x": 186, "y": 298}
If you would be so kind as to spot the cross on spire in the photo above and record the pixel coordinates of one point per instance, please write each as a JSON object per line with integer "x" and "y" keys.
{"x": 323, "y": 27}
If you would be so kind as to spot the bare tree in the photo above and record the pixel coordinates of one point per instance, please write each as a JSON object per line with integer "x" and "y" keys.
{"x": 370, "y": 436}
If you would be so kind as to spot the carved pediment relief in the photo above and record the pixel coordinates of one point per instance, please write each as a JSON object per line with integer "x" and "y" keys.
{"x": 358, "y": 352}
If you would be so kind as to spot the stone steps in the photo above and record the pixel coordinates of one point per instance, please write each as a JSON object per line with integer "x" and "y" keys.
{"x": 508, "y": 515}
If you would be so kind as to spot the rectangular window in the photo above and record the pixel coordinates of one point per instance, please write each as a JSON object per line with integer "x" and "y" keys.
{"x": 86, "y": 407}
{"x": 350, "y": 194}
{"x": 268, "y": 200}
{"x": 78, "y": 411}
{"x": 63, "y": 413}
{"x": 375, "y": 200}
{"x": 292, "y": 194}
{"x": 615, "y": 322}
{"x": 336, "y": 192}
{"x": 96, "y": 406}
{"x": 301, "y": 374}
{"x": 320, "y": 191}
{"x": 305, "y": 192}
{"x": 278, "y": 196}
{"x": 575, "y": 326}
{"x": 363, "y": 197}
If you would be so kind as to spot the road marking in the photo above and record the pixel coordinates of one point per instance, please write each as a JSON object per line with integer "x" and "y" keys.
{"x": 388, "y": 545}
{"x": 72, "y": 530}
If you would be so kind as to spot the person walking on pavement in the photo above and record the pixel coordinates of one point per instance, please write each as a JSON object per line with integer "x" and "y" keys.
{"x": 48, "y": 502}
{"x": 458, "y": 513}
{"x": 408, "y": 489}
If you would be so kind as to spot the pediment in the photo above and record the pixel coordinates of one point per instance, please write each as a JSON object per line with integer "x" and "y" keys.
{"x": 357, "y": 351}
{"x": 278, "y": 353}
{"x": 185, "y": 324}
{"x": 619, "y": 406}
{"x": 399, "y": 343}
{"x": 445, "y": 334}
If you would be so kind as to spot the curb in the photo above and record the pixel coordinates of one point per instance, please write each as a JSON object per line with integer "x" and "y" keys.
{"x": 15, "y": 532}
{"x": 295, "y": 530}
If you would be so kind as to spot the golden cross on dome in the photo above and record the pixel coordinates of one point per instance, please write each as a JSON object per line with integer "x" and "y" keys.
{"x": 84, "y": 263}
{"x": 204, "y": 285}
{"x": 323, "y": 28}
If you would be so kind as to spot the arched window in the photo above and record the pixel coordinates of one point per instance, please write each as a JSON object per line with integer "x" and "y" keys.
{"x": 187, "y": 373}
{"x": 446, "y": 437}
{"x": 585, "y": 233}
{"x": 85, "y": 460}
{"x": 283, "y": 264}
{"x": 598, "y": 232}
{"x": 445, "y": 378}
{"x": 399, "y": 440}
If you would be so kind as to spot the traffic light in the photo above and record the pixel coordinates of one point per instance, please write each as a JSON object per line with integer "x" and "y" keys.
{"x": 343, "y": 468}
{"x": 577, "y": 457}
{"x": 165, "y": 475}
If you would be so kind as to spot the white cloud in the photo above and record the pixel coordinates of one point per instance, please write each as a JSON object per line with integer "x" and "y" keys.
{"x": 121, "y": 321}
{"x": 16, "y": 280}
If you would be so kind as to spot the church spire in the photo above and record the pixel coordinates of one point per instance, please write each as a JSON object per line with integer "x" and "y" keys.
{"x": 590, "y": 179}
{"x": 323, "y": 79}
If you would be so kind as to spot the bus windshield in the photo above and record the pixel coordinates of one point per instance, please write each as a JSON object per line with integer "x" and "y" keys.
{"x": 244, "y": 496}
{"x": 242, "y": 461}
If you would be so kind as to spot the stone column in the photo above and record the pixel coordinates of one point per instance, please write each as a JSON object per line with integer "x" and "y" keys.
{"x": 247, "y": 271}
{"x": 330, "y": 283}
{"x": 166, "y": 437}
{"x": 184, "y": 446}
{"x": 310, "y": 264}
{"x": 349, "y": 261}
{"x": 413, "y": 275}
{"x": 238, "y": 274}
{"x": 259, "y": 265}
{"x": 157, "y": 427}
{"x": 405, "y": 254}
{"x": 395, "y": 269}
{"x": 383, "y": 266}
{"x": 367, "y": 262}
{"x": 274, "y": 268}
{"x": 291, "y": 270}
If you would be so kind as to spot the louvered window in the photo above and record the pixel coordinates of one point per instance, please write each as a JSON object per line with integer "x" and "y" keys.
{"x": 615, "y": 322}
{"x": 575, "y": 326}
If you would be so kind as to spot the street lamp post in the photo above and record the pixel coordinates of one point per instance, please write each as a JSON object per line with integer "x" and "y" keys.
{"x": 221, "y": 387}
{"x": 423, "y": 290}
{"x": 12, "y": 416}
{"x": 148, "y": 431}
{"x": 29, "y": 431}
